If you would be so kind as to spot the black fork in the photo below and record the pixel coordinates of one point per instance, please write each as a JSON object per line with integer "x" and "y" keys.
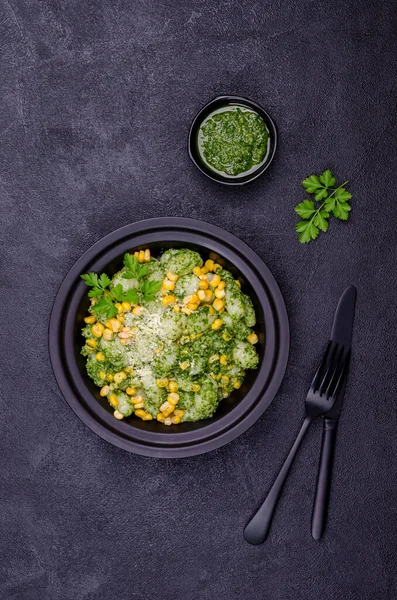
{"x": 320, "y": 399}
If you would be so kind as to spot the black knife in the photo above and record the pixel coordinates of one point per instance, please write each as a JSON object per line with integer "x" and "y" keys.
{"x": 342, "y": 334}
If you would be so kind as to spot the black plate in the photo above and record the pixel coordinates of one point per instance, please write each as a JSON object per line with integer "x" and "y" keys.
{"x": 220, "y": 102}
{"x": 236, "y": 413}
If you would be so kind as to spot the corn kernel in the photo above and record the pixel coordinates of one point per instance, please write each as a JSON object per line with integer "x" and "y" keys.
{"x": 108, "y": 377}
{"x": 126, "y": 341}
{"x": 113, "y": 400}
{"x": 147, "y": 255}
{"x": 126, "y": 306}
{"x": 141, "y": 256}
{"x": 102, "y": 374}
{"x": 177, "y": 308}
{"x": 172, "y": 276}
{"x": 165, "y": 406}
{"x": 196, "y": 387}
{"x": 204, "y": 270}
{"x": 113, "y": 324}
{"x": 237, "y": 385}
{"x": 204, "y": 295}
{"x": 129, "y": 371}
{"x": 218, "y": 377}
{"x": 226, "y": 337}
{"x": 139, "y": 405}
{"x": 97, "y": 330}
{"x": 168, "y": 300}
{"x": 100, "y": 356}
{"x": 173, "y": 398}
{"x": 192, "y": 306}
{"x": 104, "y": 390}
{"x": 90, "y": 320}
{"x": 118, "y": 306}
{"x": 190, "y": 298}
{"x": 211, "y": 310}
{"x": 120, "y": 318}
{"x": 162, "y": 383}
{"x": 140, "y": 413}
{"x": 216, "y": 266}
{"x": 160, "y": 417}
{"x": 138, "y": 399}
{"x": 175, "y": 420}
{"x": 168, "y": 285}
{"x": 223, "y": 359}
{"x": 107, "y": 334}
{"x": 217, "y": 324}
{"x": 131, "y": 391}
{"x": 203, "y": 285}
{"x": 238, "y": 283}
{"x": 197, "y": 271}
{"x": 117, "y": 415}
{"x": 173, "y": 386}
{"x": 219, "y": 293}
{"x": 214, "y": 280}
{"x": 136, "y": 254}
{"x": 213, "y": 358}
{"x": 225, "y": 379}
{"x": 167, "y": 412}
{"x": 252, "y": 338}
{"x": 219, "y": 305}
{"x": 209, "y": 264}
{"x": 118, "y": 377}
{"x": 186, "y": 310}
{"x": 221, "y": 285}
{"x": 168, "y": 421}
{"x": 178, "y": 412}
{"x": 184, "y": 365}
{"x": 147, "y": 417}
{"x": 92, "y": 343}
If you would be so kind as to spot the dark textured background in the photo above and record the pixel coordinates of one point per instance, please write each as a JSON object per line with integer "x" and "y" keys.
{"x": 97, "y": 98}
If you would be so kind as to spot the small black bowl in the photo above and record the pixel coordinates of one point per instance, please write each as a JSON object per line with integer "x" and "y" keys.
{"x": 231, "y": 101}
{"x": 236, "y": 413}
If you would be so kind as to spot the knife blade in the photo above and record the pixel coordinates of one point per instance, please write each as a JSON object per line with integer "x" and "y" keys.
{"x": 341, "y": 333}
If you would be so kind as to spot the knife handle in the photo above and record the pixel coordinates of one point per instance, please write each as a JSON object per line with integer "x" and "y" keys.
{"x": 320, "y": 508}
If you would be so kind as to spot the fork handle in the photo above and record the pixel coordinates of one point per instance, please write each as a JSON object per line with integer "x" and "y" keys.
{"x": 258, "y": 528}
{"x": 320, "y": 508}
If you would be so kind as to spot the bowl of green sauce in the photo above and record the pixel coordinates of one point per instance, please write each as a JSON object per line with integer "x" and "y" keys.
{"x": 232, "y": 140}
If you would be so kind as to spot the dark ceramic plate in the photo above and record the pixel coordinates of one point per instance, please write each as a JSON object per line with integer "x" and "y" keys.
{"x": 232, "y": 101}
{"x": 235, "y": 414}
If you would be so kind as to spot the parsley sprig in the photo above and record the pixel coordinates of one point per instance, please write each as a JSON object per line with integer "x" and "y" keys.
{"x": 331, "y": 200}
{"x": 145, "y": 291}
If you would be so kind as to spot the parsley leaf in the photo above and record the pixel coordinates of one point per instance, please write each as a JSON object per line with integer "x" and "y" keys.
{"x": 90, "y": 279}
{"x": 150, "y": 289}
{"x": 332, "y": 200}
{"x": 105, "y": 307}
{"x": 131, "y": 296}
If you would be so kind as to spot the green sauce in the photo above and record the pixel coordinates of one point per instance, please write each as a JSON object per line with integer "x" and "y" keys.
{"x": 233, "y": 140}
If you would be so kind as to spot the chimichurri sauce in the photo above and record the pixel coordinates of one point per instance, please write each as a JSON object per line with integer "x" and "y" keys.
{"x": 233, "y": 140}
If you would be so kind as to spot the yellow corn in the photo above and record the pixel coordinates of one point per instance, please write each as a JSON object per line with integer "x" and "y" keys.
{"x": 97, "y": 330}
{"x": 118, "y": 306}
{"x": 213, "y": 358}
{"x": 172, "y": 276}
{"x": 168, "y": 285}
{"x": 211, "y": 310}
{"x": 141, "y": 256}
{"x": 167, "y": 413}
{"x": 196, "y": 387}
{"x": 192, "y": 306}
{"x": 168, "y": 300}
{"x": 165, "y": 406}
{"x": 126, "y": 306}
{"x": 129, "y": 371}
{"x": 100, "y": 356}
{"x": 173, "y": 386}
{"x": 136, "y": 254}
{"x": 215, "y": 280}
{"x": 139, "y": 405}
{"x": 160, "y": 417}
{"x": 107, "y": 334}
{"x": 131, "y": 391}
{"x": 237, "y": 385}
{"x": 147, "y": 255}
{"x": 176, "y": 420}
{"x": 140, "y": 413}
{"x": 137, "y": 311}
{"x": 238, "y": 283}
{"x": 168, "y": 421}
{"x": 113, "y": 324}
{"x": 104, "y": 390}
{"x": 219, "y": 293}
{"x": 252, "y": 338}
{"x": 221, "y": 285}
{"x": 147, "y": 417}
{"x": 217, "y": 324}
{"x": 125, "y": 341}
{"x": 204, "y": 270}
{"x": 120, "y": 318}
{"x": 117, "y": 415}
{"x": 190, "y": 298}
{"x": 219, "y": 305}
{"x": 177, "y": 308}
{"x": 118, "y": 377}
{"x": 216, "y": 266}
{"x": 173, "y": 398}
{"x": 226, "y": 337}
{"x": 186, "y": 310}
{"x": 218, "y": 377}
{"x": 209, "y": 264}
{"x": 223, "y": 359}
{"x": 204, "y": 295}
{"x": 102, "y": 374}
{"x": 179, "y": 412}
{"x": 162, "y": 383}
{"x": 108, "y": 377}
{"x": 225, "y": 379}
{"x": 203, "y": 285}
{"x": 113, "y": 400}
{"x": 90, "y": 320}
{"x": 197, "y": 271}
{"x": 184, "y": 365}
{"x": 92, "y": 343}
{"x": 137, "y": 400}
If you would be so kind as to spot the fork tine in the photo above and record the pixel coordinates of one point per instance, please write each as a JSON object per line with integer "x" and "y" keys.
{"x": 332, "y": 364}
{"x": 336, "y": 380}
{"x": 314, "y": 386}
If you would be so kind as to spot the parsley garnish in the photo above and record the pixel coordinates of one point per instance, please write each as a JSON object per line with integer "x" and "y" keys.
{"x": 331, "y": 200}
{"x": 105, "y": 298}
